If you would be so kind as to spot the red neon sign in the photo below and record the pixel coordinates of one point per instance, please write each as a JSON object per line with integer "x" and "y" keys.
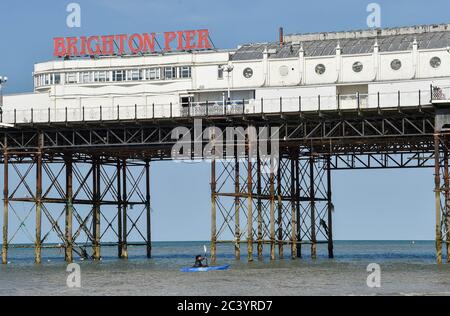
{"x": 135, "y": 44}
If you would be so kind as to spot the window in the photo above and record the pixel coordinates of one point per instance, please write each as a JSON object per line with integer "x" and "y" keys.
{"x": 101, "y": 76}
{"x": 170, "y": 72}
{"x": 357, "y": 67}
{"x": 47, "y": 79}
{"x": 86, "y": 77}
{"x": 435, "y": 62}
{"x": 134, "y": 74}
{"x": 38, "y": 80}
{"x": 248, "y": 72}
{"x": 220, "y": 72}
{"x": 320, "y": 69}
{"x": 57, "y": 78}
{"x": 71, "y": 77}
{"x": 153, "y": 74}
{"x": 396, "y": 64}
{"x": 118, "y": 75}
{"x": 185, "y": 72}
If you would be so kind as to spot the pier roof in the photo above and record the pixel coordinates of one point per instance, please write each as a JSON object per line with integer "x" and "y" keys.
{"x": 351, "y": 42}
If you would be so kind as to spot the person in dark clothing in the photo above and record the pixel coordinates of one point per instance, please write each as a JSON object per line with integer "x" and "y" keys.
{"x": 199, "y": 262}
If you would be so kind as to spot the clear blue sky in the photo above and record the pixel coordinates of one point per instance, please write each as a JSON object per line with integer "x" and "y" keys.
{"x": 383, "y": 204}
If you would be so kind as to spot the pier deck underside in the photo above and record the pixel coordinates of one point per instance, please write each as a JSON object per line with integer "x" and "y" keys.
{"x": 79, "y": 182}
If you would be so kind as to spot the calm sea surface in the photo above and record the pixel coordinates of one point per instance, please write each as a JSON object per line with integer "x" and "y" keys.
{"x": 407, "y": 268}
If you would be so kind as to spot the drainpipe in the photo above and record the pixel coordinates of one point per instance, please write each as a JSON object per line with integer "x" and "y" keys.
{"x": 265, "y": 66}
{"x": 376, "y": 51}
{"x": 301, "y": 64}
{"x": 415, "y": 56}
{"x": 338, "y": 62}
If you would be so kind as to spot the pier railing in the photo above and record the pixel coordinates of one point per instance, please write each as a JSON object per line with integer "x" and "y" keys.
{"x": 224, "y": 108}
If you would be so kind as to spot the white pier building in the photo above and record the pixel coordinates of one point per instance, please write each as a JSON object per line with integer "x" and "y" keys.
{"x": 307, "y": 72}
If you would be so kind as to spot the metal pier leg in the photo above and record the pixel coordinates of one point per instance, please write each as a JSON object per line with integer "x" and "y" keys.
{"x": 119, "y": 209}
{"x": 313, "y": 208}
{"x": 259, "y": 205}
{"x": 5, "y": 207}
{"x": 250, "y": 207}
{"x": 213, "y": 211}
{"x": 96, "y": 203}
{"x": 446, "y": 214}
{"x": 69, "y": 208}
{"x": 437, "y": 195}
{"x": 330, "y": 210}
{"x": 280, "y": 212}
{"x": 38, "y": 200}
{"x": 148, "y": 209}
{"x": 124, "y": 210}
{"x": 272, "y": 214}
{"x": 293, "y": 211}
{"x": 297, "y": 206}
{"x": 237, "y": 207}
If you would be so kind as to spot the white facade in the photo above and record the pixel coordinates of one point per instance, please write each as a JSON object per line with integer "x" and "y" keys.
{"x": 168, "y": 84}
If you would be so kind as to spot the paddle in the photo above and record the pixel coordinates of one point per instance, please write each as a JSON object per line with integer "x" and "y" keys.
{"x": 205, "y": 250}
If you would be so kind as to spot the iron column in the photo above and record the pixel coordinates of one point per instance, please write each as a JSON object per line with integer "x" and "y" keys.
{"x": 213, "y": 211}
{"x": 124, "y": 208}
{"x": 437, "y": 196}
{"x": 69, "y": 207}
{"x": 38, "y": 199}
{"x": 313, "y": 207}
{"x": 148, "y": 209}
{"x": 293, "y": 210}
{"x": 5, "y": 206}
{"x": 250, "y": 205}
{"x": 96, "y": 202}
{"x": 237, "y": 207}
{"x": 119, "y": 209}
{"x": 330, "y": 210}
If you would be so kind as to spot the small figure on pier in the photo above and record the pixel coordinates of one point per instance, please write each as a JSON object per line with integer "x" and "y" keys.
{"x": 199, "y": 262}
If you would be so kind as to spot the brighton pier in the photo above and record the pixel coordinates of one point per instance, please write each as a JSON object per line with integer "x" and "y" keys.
{"x": 77, "y": 151}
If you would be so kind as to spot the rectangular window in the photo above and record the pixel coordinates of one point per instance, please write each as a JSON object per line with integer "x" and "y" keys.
{"x": 101, "y": 76}
{"x": 134, "y": 74}
{"x": 57, "y": 79}
{"x": 118, "y": 75}
{"x": 86, "y": 77}
{"x": 185, "y": 72}
{"x": 220, "y": 72}
{"x": 153, "y": 74}
{"x": 71, "y": 77}
{"x": 170, "y": 72}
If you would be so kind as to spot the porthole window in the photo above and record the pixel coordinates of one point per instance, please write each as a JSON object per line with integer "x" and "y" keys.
{"x": 435, "y": 62}
{"x": 248, "y": 72}
{"x": 357, "y": 67}
{"x": 320, "y": 69}
{"x": 396, "y": 64}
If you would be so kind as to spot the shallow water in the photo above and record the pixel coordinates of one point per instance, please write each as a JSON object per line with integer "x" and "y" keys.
{"x": 406, "y": 269}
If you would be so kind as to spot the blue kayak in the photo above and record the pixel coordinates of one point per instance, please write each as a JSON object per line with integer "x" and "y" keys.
{"x": 204, "y": 269}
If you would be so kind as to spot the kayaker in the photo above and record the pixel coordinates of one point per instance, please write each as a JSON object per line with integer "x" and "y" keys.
{"x": 199, "y": 262}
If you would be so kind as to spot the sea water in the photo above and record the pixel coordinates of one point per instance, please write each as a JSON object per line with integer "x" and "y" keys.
{"x": 406, "y": 268}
